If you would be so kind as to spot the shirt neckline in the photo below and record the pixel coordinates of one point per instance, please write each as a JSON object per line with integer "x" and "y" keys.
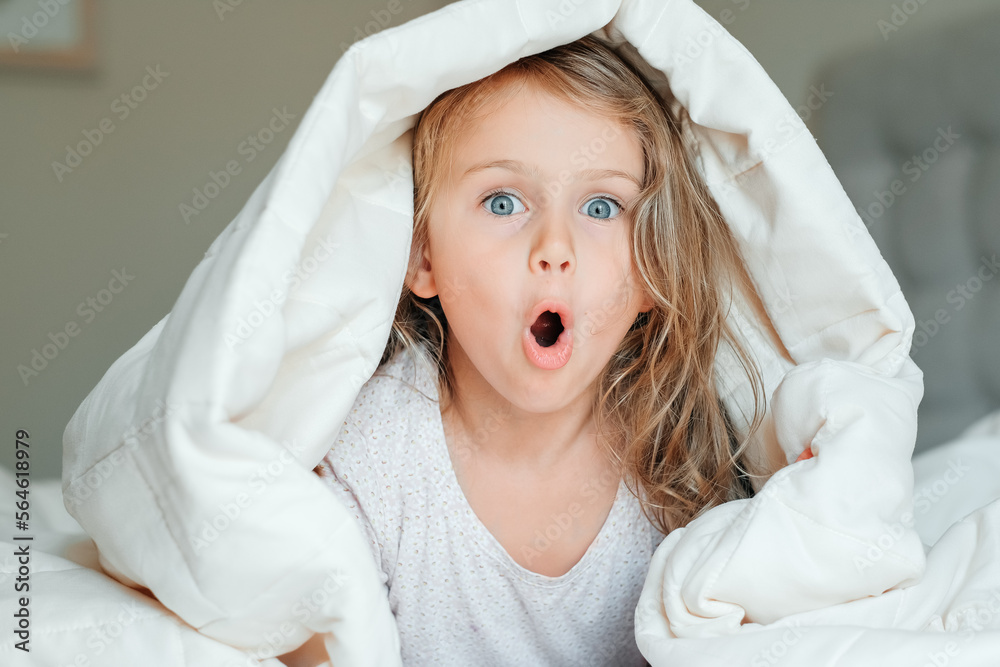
{"x": 487, "y": 541}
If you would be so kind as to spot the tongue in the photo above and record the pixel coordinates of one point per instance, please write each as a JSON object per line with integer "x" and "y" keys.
{"x": 547, "y": 328}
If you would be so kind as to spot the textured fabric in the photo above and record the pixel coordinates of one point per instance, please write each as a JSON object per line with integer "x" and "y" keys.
{"x": 458, "y": 596}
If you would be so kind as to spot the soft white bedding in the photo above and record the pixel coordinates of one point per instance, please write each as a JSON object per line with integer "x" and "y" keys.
{"x": 190, "y": 463}
{"x": 792, "y": 600}
{"x": 82, "y": 617}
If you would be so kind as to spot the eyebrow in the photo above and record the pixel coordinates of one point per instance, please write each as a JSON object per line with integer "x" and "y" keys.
{"x": 531, "y": 172}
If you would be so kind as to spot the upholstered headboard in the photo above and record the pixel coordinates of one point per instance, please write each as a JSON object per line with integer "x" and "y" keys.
{"x": 913, "y": 131}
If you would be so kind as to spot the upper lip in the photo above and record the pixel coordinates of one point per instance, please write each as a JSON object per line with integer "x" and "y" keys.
{"x": 555, "y": 306}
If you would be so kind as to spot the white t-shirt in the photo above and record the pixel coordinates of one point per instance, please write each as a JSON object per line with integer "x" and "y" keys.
{"x": 458, "y": 596}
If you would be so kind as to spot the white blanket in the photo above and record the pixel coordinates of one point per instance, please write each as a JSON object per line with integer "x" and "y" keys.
{"x": 190, "y": 463}
{"x": 80, "y": 617}
{"x": 83, "y": 618}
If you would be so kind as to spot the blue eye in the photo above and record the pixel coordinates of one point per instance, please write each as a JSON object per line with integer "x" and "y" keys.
{"x": 602, "y": 207}
{"x": 503, "y": 204}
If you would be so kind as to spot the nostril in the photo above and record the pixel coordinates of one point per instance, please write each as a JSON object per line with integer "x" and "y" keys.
{"x": 557, "y": 267}
{"x": 547, "y": 328}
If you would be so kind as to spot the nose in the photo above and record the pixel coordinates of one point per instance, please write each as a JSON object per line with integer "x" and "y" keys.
{"x": 552, "y": 250}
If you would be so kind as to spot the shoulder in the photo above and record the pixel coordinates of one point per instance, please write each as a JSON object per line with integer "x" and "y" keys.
{"x": 405, "y": 385}
{"x": 375, "y": 458}
{"x": 642, "y": 510}
{"x": 393, "y": 412}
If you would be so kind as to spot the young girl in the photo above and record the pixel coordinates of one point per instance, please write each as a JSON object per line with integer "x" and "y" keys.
{"x": 545, "y": 409}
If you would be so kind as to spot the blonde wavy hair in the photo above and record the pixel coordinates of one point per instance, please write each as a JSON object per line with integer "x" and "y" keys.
{"x": 657, "y": 408}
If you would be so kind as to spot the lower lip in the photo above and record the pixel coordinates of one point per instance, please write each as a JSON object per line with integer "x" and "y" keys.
{"x": 552, "y": 357}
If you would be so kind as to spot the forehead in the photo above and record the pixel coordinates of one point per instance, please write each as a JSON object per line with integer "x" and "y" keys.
{"x": 534, "y": 125}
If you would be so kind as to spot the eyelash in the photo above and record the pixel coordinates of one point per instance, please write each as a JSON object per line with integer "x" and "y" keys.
{"x": 501, "y": 191}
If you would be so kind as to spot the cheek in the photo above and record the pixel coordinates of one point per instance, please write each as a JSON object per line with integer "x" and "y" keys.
{"x": 627, "y": 270}
{"x": 610, "y": 244}
{"x": 606, "y": 262}
{"x": 615, "y": 294}
{"x": 474, "y": 304}
{"x": 470, "y": 281}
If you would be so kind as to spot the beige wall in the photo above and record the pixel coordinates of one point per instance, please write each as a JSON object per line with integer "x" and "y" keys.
{"x": 119, "y": 209}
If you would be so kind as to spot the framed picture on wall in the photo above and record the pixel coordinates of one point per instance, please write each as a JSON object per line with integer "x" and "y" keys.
{"x": 48, "y": 33}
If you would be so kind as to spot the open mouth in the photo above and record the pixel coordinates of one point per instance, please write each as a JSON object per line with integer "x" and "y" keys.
{"x": 548, "y": 340}
{"x": 547, "y": 328}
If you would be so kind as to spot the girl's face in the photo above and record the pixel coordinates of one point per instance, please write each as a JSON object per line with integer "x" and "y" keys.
{"x": 532, "y": 218}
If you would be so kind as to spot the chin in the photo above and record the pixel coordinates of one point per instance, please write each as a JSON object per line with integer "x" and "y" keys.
{"x": 542, "y": 397}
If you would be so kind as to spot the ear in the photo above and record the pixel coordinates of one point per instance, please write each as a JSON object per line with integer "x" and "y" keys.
{"x": 646, "y": 303}
{"x": 422, "y": 282}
